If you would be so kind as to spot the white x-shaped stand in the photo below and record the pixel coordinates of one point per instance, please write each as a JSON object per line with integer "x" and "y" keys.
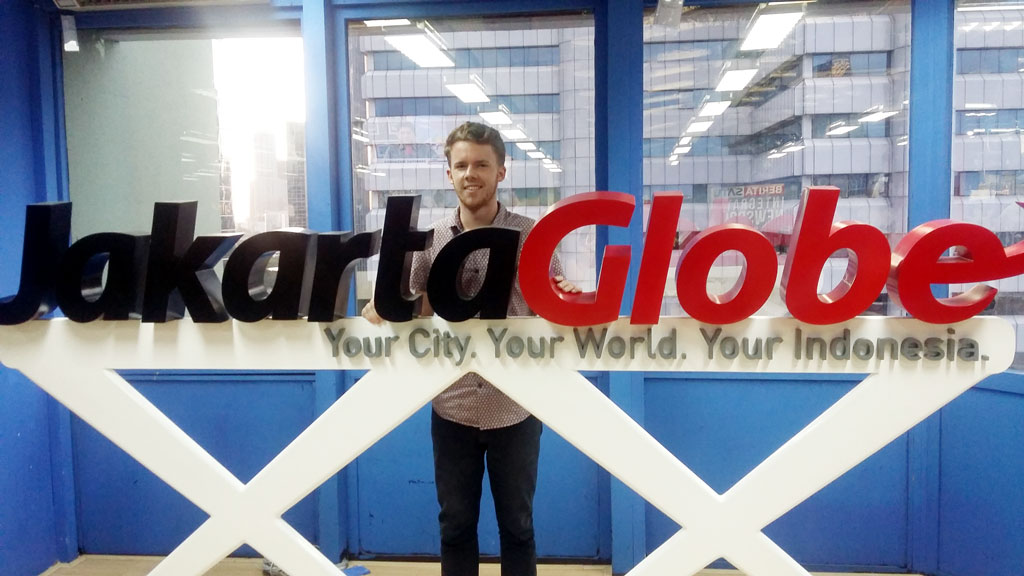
{"x": 75, "y": 363}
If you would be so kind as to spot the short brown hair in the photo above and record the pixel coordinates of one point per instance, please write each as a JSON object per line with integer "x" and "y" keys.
{"x": 478, "y": 134}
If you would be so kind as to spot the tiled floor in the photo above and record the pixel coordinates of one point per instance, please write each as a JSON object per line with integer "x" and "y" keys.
{"x": 140, "y": 566}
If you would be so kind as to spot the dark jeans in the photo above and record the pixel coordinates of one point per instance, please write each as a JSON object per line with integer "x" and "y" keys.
{"x": 511, "y": 455}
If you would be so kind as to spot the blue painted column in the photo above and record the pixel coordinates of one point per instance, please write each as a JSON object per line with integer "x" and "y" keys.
{"x": 322, "y": 198}
{"x": 618, "y": 62}
{"x": 322, "y": 194}
{"x": 931, "y": 151}
{"x": 51, "y": 174}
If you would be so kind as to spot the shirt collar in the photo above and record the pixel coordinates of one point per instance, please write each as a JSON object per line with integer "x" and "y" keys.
{"x": 455, "y": 223}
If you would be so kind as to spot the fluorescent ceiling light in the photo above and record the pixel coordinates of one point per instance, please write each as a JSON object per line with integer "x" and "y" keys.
{"x": 902, "y": 141}
{"x": 979, "y": 106}
{"x": 526, "y": 145}
{"x": 969, "y": 27}
{"x": 839, "y": 130}
{"x": 685, "y": 140}
{"x": 421, "y": 50}
{"x": 992, "y": 26}
{"x": 498, "y": 118}
{"x": 69, "y": 32}
{"x": 735, "y": 80}
{"x": 714, "y": 108}
{"x": 673, "y": 158}
{"x": 776, "y": 155}
{"x": 1012, "y": 25}
{"x": 360, "y": 137}
{"x": 769, "y": 30}
{"x": 536, "y": 155}
{"x": 513, "y": 134}
{"x": 556, "y": 170}
{"x": 876, "y": 116}
{"x": 986, "y": 7}
{"x": 392, "y": 22}
{"x": 469, "y": 93}
{"x": 676, "y": 163}
{"x": 682, "y": 149}
{"x": 794, "y": 147}
{"x": 548, "y": 161}
{"x": 696, "y": 127}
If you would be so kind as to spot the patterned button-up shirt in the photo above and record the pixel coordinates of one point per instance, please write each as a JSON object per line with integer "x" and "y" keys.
{"x": 473, "y": 401}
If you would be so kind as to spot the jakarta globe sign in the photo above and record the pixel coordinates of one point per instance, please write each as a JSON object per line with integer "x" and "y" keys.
{"x": 914, "y": 365}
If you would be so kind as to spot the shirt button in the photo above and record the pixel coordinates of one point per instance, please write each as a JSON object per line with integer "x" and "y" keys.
{"x": 480, "y": 385}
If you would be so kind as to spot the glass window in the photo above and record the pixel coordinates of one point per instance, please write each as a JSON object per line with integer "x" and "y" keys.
{"x": 849, "y": 64}
{"x": 988, "y": 176}
{"x": 169, "y": 117}
{"x": 538, "y": 71}
{"x": 807, "y": 114}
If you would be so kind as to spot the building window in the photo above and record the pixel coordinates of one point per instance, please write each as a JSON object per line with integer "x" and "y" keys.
{"x": 532, "y": 75}
{"x": 450, "y": 106}
{"x": 725, "y": 122}
{"x": 477, "y": 58}
{"x": 850, "y": 64}
{"x": 155, "y": 116}
{"x": 990, "y": 60}
{"x": 699, "y": 50}
{"x": 839, "y": 126}
{"x": 992, "y": 121}
{"x": 988, "y": 177}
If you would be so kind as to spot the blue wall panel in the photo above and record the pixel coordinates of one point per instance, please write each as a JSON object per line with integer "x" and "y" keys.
{"x": 723, "y": 428}
{"x": 398, "y": 503}
{"x": 981, "y": 502}
{"x": 125, "y": 509}
{"x": 27, "y": 525}
{"x": 27, "y": 537}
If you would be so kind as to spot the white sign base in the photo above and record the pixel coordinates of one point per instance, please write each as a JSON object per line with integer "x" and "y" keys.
{"x": 912, "y": 368}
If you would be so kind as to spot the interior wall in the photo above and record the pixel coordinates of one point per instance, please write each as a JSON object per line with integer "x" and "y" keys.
{"x": 27, "y": 524}
{"x": 981, "y": 501}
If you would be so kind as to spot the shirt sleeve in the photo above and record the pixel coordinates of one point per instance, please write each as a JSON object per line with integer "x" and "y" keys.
{"x": 556, "y": 266}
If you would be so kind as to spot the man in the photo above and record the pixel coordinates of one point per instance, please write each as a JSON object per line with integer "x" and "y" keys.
{"x": 472, "y": 422}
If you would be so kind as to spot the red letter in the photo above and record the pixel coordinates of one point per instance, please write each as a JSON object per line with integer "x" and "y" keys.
{"x": 752, "y": 289}
{"x": 918, "y": 262}
{"x": 814, "y": 239}
{"x": 661, "y": 231}
{"x": 539, "y": 288}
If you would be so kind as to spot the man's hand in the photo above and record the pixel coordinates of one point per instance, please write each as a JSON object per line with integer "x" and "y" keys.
{"x": 370, "y": 313}
{"x": 563, "y": 285}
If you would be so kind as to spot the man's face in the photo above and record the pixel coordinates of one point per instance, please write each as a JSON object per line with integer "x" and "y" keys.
{"x": 474, "y": 172}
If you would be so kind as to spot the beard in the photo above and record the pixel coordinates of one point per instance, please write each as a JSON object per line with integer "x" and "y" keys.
{"x": 477, "y": 198}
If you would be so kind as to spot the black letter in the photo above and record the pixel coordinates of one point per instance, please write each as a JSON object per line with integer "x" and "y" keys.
{"x": 197, "y": 280}
{"x": 336, "y": 254}
{"x": 391, "y": 297}
{"x": 47, "y": 228}
{"x": 80, "y": 290}
{"x": 246, "y": 295}
{"x": 180, "y": 271}
{"x": 443, "y": 286}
